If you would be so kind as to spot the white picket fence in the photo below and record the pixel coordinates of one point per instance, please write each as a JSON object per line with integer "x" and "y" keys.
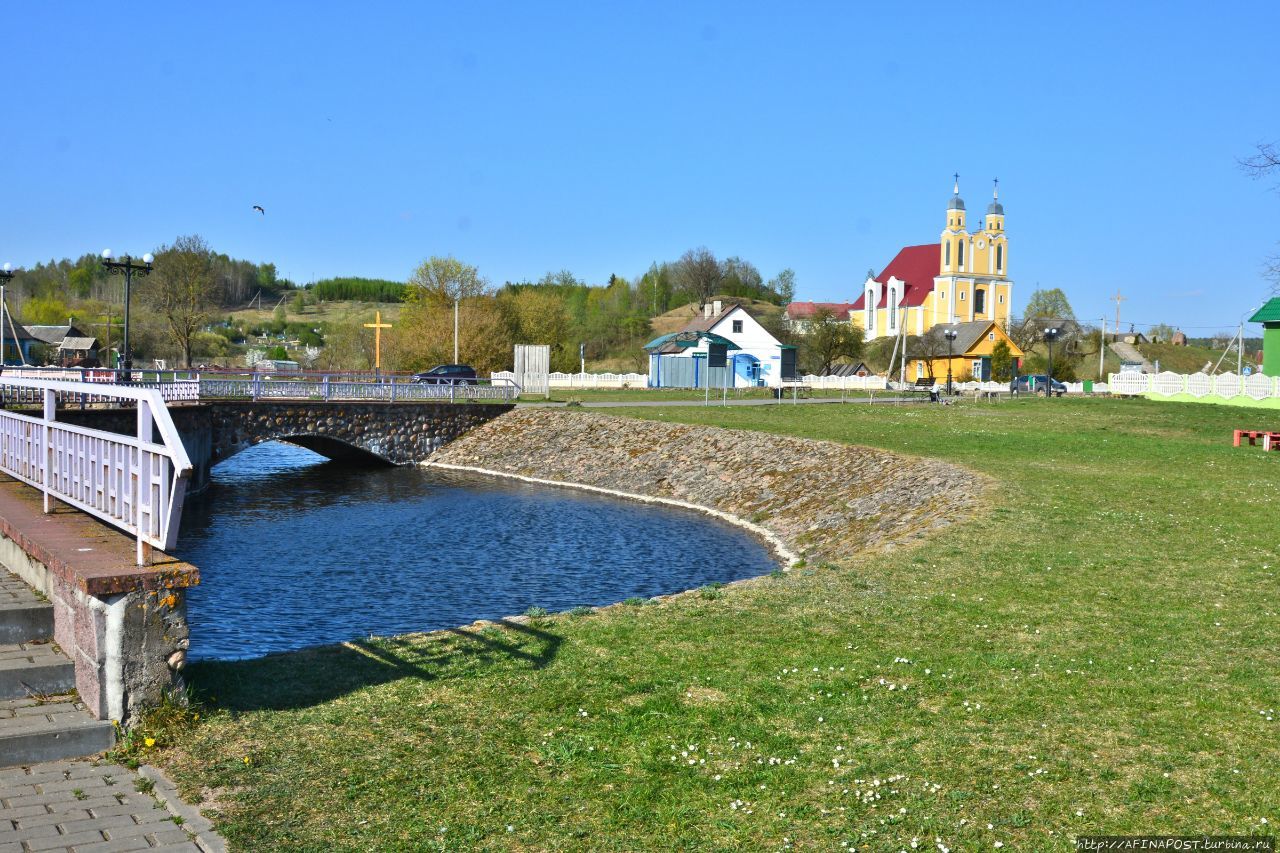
{"x": 585, "y": 380}
{"x": 1226, "y": 385}
{"x": 846, "y": 383}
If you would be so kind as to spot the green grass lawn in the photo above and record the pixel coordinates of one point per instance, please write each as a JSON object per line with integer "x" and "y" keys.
{"x": 1098, "y": 651}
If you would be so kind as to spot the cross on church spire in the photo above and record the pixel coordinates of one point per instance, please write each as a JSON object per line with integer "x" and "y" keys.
{"x": 957, "y": 189}
{"x": 995, "y": 193}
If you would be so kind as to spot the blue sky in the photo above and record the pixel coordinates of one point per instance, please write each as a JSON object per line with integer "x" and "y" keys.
{"x": 599, "y": 137}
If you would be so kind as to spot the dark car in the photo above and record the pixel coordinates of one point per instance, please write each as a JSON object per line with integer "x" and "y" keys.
{"x": 1023, "y": 385}
{"x": 448, "y": 374}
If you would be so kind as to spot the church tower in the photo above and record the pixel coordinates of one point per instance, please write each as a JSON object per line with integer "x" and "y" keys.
{"x": 972, "y": 282}
{"x": 954, "y": 237}
{"x": 994, "y": 233}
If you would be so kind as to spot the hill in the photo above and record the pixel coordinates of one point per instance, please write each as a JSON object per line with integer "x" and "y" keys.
{"x": 677, "y": 318}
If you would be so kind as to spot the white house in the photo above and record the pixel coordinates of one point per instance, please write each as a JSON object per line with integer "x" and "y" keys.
{"x": 725, "y": 347}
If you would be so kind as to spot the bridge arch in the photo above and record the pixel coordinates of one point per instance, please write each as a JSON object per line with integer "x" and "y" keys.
{"x": 385, "y": 433}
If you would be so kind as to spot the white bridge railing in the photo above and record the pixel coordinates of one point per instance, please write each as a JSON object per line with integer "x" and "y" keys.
{"x": 128, "y": 481}
{"x": 324, "y": 388}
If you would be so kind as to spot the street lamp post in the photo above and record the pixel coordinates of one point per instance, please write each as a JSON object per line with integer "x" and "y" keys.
{"x": 1050, "y": 335}
{"x": 127, "y": 266}
{"x": 950, "y": 335}
{"x": 6, "y": 276}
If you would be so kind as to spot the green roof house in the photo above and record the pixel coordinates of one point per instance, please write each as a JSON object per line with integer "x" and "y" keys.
{"x": 1269, "y": 316}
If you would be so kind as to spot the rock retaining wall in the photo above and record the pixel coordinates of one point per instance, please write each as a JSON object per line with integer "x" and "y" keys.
{"x": 823, "y": 500}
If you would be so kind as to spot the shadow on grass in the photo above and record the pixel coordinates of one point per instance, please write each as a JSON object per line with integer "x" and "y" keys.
{"x": 312, "y": 676}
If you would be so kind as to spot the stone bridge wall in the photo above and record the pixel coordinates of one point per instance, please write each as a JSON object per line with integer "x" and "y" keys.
{"x": 395, "y": 433}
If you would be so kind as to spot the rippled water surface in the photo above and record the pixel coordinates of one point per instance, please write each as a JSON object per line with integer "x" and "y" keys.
{"x": 294, "y": 551}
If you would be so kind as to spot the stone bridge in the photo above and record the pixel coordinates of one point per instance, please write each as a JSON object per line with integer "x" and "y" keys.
{"x": 383, "y": 433}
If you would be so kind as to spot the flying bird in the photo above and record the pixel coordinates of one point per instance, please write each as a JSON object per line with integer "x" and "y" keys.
{"x": 258, "y": 208}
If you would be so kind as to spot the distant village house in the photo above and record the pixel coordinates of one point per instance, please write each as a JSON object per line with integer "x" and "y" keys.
{"x": 725, "y": 347}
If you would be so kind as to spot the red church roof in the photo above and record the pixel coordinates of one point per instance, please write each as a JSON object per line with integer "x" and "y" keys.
{"x": 917, "y": 266}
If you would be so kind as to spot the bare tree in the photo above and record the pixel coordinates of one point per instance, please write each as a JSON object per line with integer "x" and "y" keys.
{"x": 698, "y": 273}
{"x": 1261, "y": 165}
{"x": 928, "y": 347}
{"x": 182, "y": 290}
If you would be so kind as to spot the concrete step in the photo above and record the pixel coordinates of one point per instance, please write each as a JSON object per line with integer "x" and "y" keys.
{"x": 23, "y": 615}
{"x": 31, "y": 670}
{"x": 33, "y": 731}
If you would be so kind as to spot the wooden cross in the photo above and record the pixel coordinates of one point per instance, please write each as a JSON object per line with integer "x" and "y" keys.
{"x": 1117, "y": 299}
{"x": 377, "y": 325}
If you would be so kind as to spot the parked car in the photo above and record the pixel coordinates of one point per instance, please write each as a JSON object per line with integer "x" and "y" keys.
{"x": 1022, "y": 385}
{"x": 448, "y": 374}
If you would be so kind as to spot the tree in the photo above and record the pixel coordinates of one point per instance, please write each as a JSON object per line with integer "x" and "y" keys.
{"x": 425, "y": 336}
{"x": 698, "y": 274}
{"x": 445, "y": 280}
{"x": 1262, "y": 165}
{"x": 1049, "y": 303}
{"x": 1001, "y": 362}
{"x": 182, "y": 290}
{"x": 539, "y": 317}
{"x": 1161, "y": 332}
{"x": 741, "y": 278}
{"x": 828, "y": 341}
{"x": 784, "y": 284}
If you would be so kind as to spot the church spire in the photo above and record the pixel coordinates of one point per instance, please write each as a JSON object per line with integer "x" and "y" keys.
{"x": 995, "y": 207}
{"x": 956, "y": 202}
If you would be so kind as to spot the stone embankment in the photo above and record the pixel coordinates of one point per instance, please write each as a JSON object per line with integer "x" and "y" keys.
{"x": 823, "y": 500}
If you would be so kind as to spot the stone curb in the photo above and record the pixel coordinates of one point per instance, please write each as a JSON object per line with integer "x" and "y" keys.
{"x": 166, "y": 793}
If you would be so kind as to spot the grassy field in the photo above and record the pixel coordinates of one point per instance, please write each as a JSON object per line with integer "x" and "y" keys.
{"x": 325, "y": 312}
{"x": 1097, "y": 651}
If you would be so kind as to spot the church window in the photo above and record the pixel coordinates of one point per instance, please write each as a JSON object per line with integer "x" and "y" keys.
{"x": 893, "y": 309}
{"x": 960, "y": 253}
{"x": 999, "y": 258}
{"x": 1001, "y": 298}
{"x": 979, "y": 301}
{"x": 946, "y": 255}
{"x": 962, "y": 296}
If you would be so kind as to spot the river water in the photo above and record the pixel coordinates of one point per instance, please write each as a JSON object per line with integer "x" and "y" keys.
{"x": 296, "y": 551}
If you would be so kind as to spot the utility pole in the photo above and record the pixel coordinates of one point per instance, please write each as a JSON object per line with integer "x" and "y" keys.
{"x": 1240, "y": 351}
{"x": 1102, "y": 348}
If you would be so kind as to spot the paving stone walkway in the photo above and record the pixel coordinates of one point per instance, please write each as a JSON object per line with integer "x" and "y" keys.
{"x": 82, "y": 806}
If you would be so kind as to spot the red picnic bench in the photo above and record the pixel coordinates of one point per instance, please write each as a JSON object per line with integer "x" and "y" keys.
{"x": 1270, "y": 440}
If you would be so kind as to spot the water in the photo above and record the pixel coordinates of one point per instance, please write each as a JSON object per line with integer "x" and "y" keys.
{"x": 295, "y": 550}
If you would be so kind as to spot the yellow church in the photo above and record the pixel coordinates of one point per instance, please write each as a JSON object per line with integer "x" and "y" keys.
{"x": 962, "y": 278}
{"x": 961, "y": 282}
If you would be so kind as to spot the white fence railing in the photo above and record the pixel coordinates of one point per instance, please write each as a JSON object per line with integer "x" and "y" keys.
{"x": 387, "y": 391}
{"x": 1225, "y": 385}
{"x": 584, "y": 380}
{"x": 128, "y": 481}
{"x": 846, "y": 383}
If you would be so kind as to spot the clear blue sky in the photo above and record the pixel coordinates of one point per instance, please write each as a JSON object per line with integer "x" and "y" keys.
{"x": 599, "y": 137}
